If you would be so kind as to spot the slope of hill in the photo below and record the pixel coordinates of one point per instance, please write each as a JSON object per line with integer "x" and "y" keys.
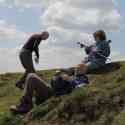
{"x": 100, "y": 103}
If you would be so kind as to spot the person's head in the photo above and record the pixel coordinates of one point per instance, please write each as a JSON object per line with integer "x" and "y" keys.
{"x": 81, "y": 69}
{"x": 45, "y": 35}
{"x": 99, "y": 35}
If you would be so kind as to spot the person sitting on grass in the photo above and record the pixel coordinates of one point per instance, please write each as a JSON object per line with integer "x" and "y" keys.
{"x": 98, "y": 53}
{"x": 61, "y": 83}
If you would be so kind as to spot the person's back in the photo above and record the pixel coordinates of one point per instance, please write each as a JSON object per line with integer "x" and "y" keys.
{"x": 29, "y": 45}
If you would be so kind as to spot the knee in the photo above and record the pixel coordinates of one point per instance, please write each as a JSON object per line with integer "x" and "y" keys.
{"x": 81, "y": 68}
{"x": 31, "y": 77}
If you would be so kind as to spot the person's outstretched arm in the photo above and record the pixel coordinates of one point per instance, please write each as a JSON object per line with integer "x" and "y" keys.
{"x": 37, "y": 55}
{"x": 37, "y": 52}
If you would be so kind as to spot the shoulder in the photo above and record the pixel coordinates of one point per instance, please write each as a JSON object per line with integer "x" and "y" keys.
{"x": 35, "y": 36}
{"x": 103, "y": 43}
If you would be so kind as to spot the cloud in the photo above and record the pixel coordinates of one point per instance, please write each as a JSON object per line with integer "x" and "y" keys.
{"x": 82, "y": 15}
{"x": 50, "y": 58}
{"x": 85, "y": 15}
{"x": 68, "y": 21}
{"x": 76, "y": 16}
{"x": 9, "y": 56}
{"x": 9, "y": 32}
{"x": 58, "y": 57}
{"x": 9, "y": 60}
{"x": 67, "y": 38}
{"x": 27, "y": 3}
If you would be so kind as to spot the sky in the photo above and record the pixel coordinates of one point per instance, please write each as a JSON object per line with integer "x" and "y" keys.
{"x": 67, "y": 21}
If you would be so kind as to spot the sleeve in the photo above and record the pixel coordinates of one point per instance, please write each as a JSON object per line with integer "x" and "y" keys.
{"x": 37, "y": 52}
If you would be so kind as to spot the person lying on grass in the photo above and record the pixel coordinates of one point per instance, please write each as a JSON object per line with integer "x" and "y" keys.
{"x": 61, "y": 84}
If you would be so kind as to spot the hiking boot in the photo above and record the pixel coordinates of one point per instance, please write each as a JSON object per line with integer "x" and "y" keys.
{"x": 23, "y": 108}
{"x": 20, "y": 84}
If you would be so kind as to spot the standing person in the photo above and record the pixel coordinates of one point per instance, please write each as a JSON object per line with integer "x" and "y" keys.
{"x": 98, "y": 53}
{"x": 32, "y": 45}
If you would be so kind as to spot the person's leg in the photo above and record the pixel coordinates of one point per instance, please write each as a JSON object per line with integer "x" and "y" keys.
{"x": 81, "y": 69}
{"x": 88, "y": 67}
{"x": 92, "y": 66}
{"x": 27, "y": 62}
{"x": 38, "y": 86}
{"x": 33, "y": 84}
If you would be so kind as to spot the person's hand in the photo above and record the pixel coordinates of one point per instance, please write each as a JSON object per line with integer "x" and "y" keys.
{"x": 81, "y": 45}
{"x": 36, "y": 60}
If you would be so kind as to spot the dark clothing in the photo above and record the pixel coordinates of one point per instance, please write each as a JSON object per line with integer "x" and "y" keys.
{"x": 33, "y": 42}
{"x": 98, "y": 51}
{"x": 38, "y": 86}
{"x": 27, "y": 63}
{"x": 61, "y": 87}
{"x": 32, "y": 45}
{"x": 26, "y": 60}
{"x": 35, "y": 87}
{"x": 79, "y": 80}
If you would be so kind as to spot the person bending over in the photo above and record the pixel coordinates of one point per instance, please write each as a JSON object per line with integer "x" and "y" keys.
{"x": 32, "y": 45}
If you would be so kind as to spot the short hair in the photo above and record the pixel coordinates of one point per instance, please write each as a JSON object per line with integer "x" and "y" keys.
{"x": 101, "y": 34}
{"x": 45, "y": 32}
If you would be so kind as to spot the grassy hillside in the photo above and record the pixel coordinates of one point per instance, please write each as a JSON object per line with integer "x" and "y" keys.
{"x": 100, "y": 103}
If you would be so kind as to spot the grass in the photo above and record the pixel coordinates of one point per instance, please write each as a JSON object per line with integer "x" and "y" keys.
{"x": 100, "y": 103}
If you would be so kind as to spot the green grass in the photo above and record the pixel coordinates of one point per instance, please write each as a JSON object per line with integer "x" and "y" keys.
{"x": 100, "y": 103}
{"x": 9, "y": 94}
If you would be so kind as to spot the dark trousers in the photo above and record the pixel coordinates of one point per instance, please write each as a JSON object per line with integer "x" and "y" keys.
{"x": 38, "y": 88}
{"x": 27, "y": 63}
